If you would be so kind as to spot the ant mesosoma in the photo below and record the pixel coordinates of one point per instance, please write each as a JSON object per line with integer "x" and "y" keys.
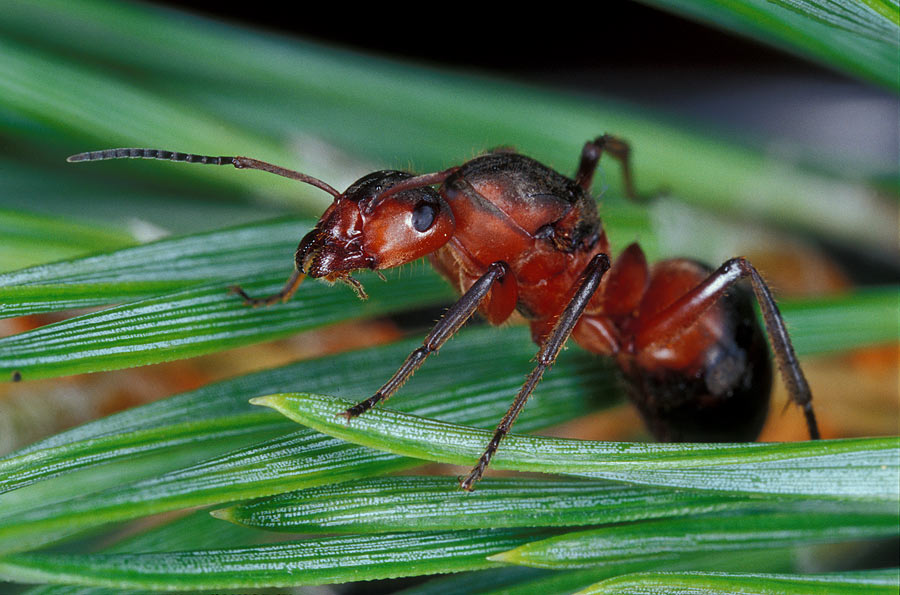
{"x": 509, "y": 234}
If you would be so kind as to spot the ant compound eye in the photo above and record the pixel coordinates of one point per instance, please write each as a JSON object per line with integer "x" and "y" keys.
{"x": 423, "y": 216}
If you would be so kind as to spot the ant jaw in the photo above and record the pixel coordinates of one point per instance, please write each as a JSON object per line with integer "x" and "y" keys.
{"x": 319, "y": 256}
{"x": 322, "y": 255}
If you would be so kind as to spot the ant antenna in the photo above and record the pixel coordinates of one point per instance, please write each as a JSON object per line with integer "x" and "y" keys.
{"x": 419, "y": 181}
{"x": 237, "y": 162}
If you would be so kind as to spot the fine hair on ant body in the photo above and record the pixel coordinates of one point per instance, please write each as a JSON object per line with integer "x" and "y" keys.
{"x": 511, "y": 234}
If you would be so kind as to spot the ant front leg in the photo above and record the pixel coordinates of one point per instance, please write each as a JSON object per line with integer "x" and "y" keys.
{"x": 456, "y": 316}
{"x": 290, "y": 287}
{"x": 667, "y": 324}
{"x": 550, "y": 349}
{"x": 618, "y": 149}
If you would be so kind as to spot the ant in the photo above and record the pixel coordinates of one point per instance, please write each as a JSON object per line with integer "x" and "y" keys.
{"x": 509, "y": 233}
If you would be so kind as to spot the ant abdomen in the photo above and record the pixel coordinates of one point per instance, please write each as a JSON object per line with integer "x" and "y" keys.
{"x": 725, "y": 396}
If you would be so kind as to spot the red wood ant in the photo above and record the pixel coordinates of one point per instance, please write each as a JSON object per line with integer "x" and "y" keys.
{"x": 509, "y": 234}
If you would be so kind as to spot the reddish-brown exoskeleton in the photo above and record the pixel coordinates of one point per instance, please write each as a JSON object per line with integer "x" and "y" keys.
{"x": 511, "y": 234}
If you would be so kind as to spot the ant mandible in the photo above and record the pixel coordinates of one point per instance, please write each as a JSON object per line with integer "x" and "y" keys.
{"x": 509, "y": 233}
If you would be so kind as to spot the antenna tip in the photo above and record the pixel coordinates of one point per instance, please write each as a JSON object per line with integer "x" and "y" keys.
{"x": 78, "y": 157}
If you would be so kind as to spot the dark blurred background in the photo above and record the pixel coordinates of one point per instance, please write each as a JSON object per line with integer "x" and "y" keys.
{"x": 628, "y": 51}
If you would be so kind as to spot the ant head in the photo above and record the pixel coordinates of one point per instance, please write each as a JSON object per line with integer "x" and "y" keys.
{"x": 369, "y": 227}
{"x": 382, "y": 220}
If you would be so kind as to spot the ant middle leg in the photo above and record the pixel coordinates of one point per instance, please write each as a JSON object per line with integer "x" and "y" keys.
{"x": 548, "y": 353}
{"x": 455, "y": 317}
{"x": 676, "y": 318}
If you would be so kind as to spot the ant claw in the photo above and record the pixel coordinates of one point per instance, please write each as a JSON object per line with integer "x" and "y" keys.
{"x": 659, "y": 193}
{"x": 347, "y": 415}
{"x": 362, "y": 406}
{"x": 468, "y": 483}
{"x": 645, "y": 199}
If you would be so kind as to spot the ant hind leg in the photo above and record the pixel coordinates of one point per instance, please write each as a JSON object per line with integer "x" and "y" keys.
{"x": 618, "y": 149}
{"x": 681, "y": 314}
